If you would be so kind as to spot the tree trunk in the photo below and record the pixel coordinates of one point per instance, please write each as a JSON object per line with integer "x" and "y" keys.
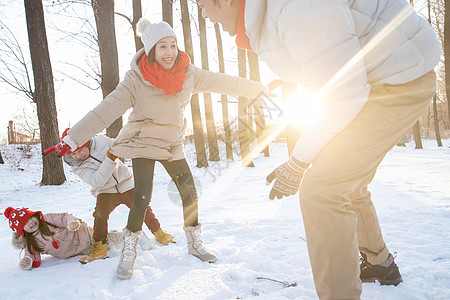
{"x": 244, "y": 142}
{"x": 223, "y": 98}
{"x": 44, "y": 95}
{"x": 167, "y": 11}
{"x": 416, "y": 127}
{"x": 292, "y": 133}
{"x": 195, "y": 105}
{"x": 417, "y": 136}
{"x": 447, "y": 54}
{"x": 1, "y": 158}
{"x": 11, "y": 139}
{"x": 209, "y": 114}
{"x": 137, "y": 14}
{"x": 104, "y": 19}
{"x": 435, "y": 110}
{"x": 436, "y": 121}
{"x": 258, "y": 107}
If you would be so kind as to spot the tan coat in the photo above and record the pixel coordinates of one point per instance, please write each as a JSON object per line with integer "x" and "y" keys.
{"x": 156, "y": 124}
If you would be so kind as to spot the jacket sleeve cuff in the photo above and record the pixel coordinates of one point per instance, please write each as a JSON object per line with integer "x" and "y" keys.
{"x": 71, "y": 142}
{"x": 29, "y": 266}
{"x": 310, "y": 145}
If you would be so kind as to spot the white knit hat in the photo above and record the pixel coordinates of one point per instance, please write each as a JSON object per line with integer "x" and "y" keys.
{"x": 151, "y": 33}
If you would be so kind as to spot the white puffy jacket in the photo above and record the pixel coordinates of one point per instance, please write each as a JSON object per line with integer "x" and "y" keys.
{"x": 338, "y": 49}
{"x": 100, "y": 172}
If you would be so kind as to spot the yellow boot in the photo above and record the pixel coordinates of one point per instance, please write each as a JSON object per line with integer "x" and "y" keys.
{"x": 98, "y": 250}
{"x": 163, "y": 237}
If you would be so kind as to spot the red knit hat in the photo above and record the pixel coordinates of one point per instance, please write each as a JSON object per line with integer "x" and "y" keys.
{"x": 82, "y": 146}
{"x": 18, "y": 218}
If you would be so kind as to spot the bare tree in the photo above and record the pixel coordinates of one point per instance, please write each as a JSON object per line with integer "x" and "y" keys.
{"x": 447, "y": 53}
{"x": 15, "y": 75}
{"x": 416, "y": 127}
{"x": 244, "y": 141}
{"x": 195, "y": 105}
{"x": 26, "y": 122}
{"x": 435, "y": 109}
{"x": 436, "y": 122}
{"x": 137, "y": 14}
{"x": 438, "y": 8}
{"x": 258, "y": 107}
{"x": 209, "y": 115}
{"x": 223, "y": 98}
{"x": 417, "y": 135}
{"x": 167, "y": 11}
{"x": 14, "y": 68}
{"x": 104, "y": 18}
{"x": 44, "y": 95}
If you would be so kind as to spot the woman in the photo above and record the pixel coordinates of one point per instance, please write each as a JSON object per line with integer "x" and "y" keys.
{"x": 157, "y": 88}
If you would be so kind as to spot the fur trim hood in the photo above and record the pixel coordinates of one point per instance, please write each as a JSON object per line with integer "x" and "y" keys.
{"x": 18, "y": 242}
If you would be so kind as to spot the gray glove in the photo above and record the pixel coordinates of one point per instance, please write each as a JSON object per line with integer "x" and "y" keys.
{"x": 288, "y": 178}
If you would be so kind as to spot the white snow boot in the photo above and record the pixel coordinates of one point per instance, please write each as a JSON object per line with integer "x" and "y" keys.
{"x": 195, "y": 244}
{"x": 115, "y": 240}
{"x": 129, "y": 253}
{"x": 145, "y": 242}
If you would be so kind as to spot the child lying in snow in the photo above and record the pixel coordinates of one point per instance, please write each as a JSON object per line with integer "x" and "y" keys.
{"x": 61, "y": 235}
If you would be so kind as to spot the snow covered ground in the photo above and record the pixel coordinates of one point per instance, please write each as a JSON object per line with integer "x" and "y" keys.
{"x": 252, "y": 236}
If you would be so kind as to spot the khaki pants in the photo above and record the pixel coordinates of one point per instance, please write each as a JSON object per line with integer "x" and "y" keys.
{"x": 338, "y": 213}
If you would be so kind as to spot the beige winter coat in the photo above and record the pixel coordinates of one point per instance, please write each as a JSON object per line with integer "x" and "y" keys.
{"x": 156, "y": 124}
{"x": 338, "y": 49}
{"x": 71, "y": 243}
{"x": 100, "y": 172}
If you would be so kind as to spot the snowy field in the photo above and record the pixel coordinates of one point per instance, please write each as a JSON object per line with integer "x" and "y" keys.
{"x": 254, "y": 238}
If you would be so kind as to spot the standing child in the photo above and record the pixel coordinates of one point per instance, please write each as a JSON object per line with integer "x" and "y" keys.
{"x": 60, "y": 235}
{"x": 112, "y": 185}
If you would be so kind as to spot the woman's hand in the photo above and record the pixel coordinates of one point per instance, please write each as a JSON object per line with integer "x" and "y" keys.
{"x": 26, "y": 263}
{"x": 74, "y": 225}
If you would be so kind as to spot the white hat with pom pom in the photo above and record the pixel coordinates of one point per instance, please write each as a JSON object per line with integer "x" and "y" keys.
{"x": 151, "y": 33}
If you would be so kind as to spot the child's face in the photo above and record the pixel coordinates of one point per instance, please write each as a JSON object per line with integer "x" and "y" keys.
{"x": 81, "y": 154}
{"x": 32, "y": 225}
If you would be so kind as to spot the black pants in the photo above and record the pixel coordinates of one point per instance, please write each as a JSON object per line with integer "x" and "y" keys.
{"x": 179, "y": 171}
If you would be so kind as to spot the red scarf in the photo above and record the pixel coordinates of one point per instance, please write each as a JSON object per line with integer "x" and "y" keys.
{"x": 169, "y": 81}
{"x": 242, "y": 40}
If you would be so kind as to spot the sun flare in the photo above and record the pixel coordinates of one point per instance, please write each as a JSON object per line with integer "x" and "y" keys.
{"x": 302, "y": 109}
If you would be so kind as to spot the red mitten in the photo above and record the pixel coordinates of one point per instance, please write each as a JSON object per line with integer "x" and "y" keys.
{"x": 62, "y": 147}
